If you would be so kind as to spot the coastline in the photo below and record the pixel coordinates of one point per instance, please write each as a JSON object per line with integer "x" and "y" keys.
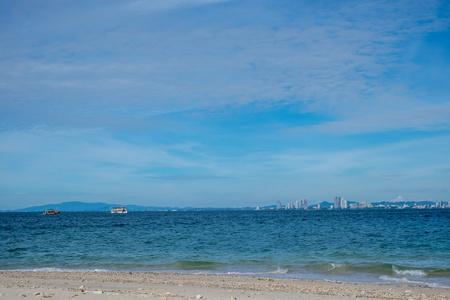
{"x": 128, "y": 285}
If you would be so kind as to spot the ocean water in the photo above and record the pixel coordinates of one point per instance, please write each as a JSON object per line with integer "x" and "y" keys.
{"x": 385, "y": 246}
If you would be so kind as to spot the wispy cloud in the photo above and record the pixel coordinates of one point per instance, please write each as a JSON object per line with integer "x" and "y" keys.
{"x": 187, "y": 177}
{"x": 155, "y": 5}
{"x": 430, "y": 118}
{"x": 251, "y": 97}
{"x": 330, "y": 62}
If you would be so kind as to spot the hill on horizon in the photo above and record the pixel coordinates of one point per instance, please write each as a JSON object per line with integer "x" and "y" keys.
{"x": 84, "y": 206}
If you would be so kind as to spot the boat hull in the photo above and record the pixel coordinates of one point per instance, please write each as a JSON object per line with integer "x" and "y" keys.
{"x": 52, "y": 213}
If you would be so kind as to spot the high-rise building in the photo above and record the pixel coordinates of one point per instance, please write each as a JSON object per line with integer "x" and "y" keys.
{"x": 303, "y": 204}
{"x": 344, "y": 204}
{"x": 278, "y": 204}
{"x": 337, "y": 202}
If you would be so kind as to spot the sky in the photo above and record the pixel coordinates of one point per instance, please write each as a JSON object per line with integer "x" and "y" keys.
{"x": 223, "y": 103}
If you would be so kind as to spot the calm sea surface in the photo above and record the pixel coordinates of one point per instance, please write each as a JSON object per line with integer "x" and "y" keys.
{"x": 388, "y": 246}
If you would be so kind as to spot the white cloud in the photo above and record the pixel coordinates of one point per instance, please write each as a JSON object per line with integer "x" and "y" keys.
{"x": 157, "y": 5}
{"x": 335, "y": 60}
{"x": 119, "y": 68}
{"x": 430, "y": 118}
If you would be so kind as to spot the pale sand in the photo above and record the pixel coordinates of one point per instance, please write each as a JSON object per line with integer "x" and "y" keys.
{"x": 110, "y": 285}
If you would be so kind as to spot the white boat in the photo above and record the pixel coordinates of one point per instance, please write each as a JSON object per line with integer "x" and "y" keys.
{"x": 119, "y": 210}
{"x": 51, "y": 211}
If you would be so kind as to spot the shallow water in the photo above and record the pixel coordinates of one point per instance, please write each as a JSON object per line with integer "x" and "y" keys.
{"x": 390, "y": 246}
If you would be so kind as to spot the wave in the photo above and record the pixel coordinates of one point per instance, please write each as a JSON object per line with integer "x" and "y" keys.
{"x": 195, "y": 265}
{"x": 278, "y": 271}
{"x": 336, "y": 267}
{"x": 50, "y": 269}
{"x": 281, "y": 271}
{"x": 379, "y": 268}
{"x": 18, "y": 249}
{"x": 421, "y": 272}
{"x": 410, "y": 272}
{"x": 404, "y": 280}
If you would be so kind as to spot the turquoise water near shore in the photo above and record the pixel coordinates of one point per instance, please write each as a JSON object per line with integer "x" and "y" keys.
{"x": 386, "y": 246}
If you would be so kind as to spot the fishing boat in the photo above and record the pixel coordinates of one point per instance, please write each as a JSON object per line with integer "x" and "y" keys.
{"x": 119, "y": 210}
{"x": 51, "y": 211}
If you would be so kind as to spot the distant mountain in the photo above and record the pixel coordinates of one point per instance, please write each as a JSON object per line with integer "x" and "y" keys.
{"x": 82, "y": 206}
{"x": 69, "y": 206}
{"x": 100, "y": 206}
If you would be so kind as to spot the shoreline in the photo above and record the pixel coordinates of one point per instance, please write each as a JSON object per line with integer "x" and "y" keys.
{"x": 398, "y": 279}
{"x": 127, "y": 285}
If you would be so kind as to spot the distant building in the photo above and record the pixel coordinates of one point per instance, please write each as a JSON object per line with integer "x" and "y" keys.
{"x": 278, "y": 204}
{"x": 303, "y": 204}
{"x": 337, "y": 202}
{"x": 344, "y": 204}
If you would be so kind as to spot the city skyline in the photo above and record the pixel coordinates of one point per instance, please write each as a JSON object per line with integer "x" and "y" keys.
{"x": 206, "y": 102}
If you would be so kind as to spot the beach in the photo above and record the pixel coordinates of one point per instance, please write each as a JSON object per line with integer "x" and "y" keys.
{"x": 130, "y": 285}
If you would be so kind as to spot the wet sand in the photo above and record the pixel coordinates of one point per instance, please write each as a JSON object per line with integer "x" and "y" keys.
{"x": 127, "y": 285}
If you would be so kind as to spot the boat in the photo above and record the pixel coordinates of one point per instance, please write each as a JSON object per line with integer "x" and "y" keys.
{"x": 119, "y": 210}
{"x": 51, "y": 211}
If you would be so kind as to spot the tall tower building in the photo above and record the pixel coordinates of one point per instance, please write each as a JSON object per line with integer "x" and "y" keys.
{"x": 278, "y": 204}
{"x": 337, "y": 202}
{"x": 344, "y": 204}
{"x": 304, "y": 204}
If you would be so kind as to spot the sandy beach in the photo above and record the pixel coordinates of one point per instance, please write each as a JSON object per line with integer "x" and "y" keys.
{"x": 127, "y": 285}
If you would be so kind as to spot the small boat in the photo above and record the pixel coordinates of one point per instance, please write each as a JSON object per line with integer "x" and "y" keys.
{"x": 119, "y": 210}
{"x": 51, "y": 211}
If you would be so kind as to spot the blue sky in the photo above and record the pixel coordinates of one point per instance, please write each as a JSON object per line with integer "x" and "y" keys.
{"x": 223, "y": 103}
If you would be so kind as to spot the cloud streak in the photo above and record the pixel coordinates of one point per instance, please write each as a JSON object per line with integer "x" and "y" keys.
{"x": 211, "y": 99}
{"x": 329, "y": 62}
{"x": 431, "y": 118}
{"x": 187, "y": 177}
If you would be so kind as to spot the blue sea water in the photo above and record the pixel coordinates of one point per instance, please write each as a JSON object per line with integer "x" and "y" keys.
{"x": 386, "y": 246}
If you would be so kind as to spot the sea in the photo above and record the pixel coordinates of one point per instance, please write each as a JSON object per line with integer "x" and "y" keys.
{"x": 409, "y": 247}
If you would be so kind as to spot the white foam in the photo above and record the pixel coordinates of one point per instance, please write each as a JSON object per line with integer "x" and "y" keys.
{"x": 281, "y": 271}
{"x": 278, "y": 271}
{"x": 415, "y": 272}
{"x": 405, "y": 280}
{"x": 410, "y": 272}
{"x": 395, "y": 279}
{"x": 334, "y": 266}
{"x": 50, "y": 269}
